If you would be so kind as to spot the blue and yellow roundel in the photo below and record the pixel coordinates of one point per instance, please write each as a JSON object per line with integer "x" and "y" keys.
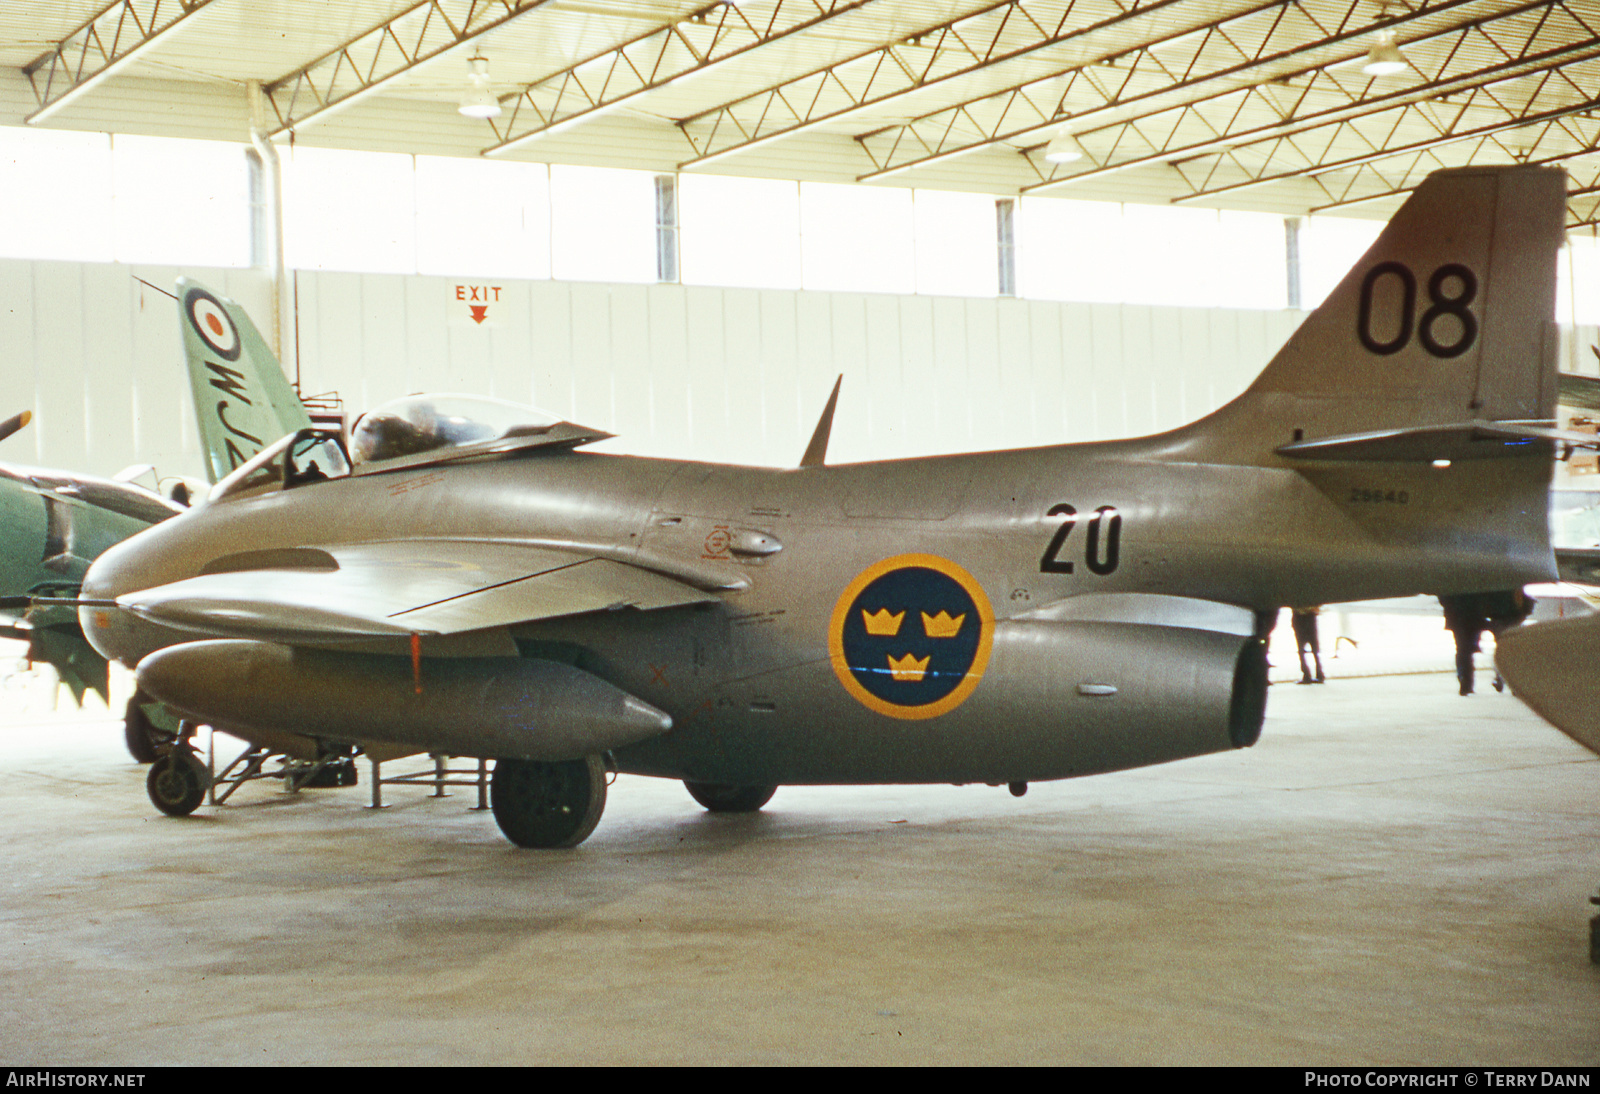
{"x": 910, "y": 636}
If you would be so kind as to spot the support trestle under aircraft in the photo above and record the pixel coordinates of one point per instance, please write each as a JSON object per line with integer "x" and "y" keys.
{"x": 467, "y": 579}
{"x": 53, "y": 524}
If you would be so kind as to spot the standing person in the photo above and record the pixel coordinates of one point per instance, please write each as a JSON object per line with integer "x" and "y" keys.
{"x": 1466, "y": 622}
{"x": 1502, "y": 611}
{"x": 1304, "y": 621}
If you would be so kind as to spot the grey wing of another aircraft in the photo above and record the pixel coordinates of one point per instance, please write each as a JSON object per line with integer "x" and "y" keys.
{"x": 475, "y": 583}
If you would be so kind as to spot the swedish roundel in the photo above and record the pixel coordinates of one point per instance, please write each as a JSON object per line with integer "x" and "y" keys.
{"x": 910, "y": 636}
{"x": 212, "y": 323}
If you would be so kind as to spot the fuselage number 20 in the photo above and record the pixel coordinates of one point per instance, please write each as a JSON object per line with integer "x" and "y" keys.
{"x": 1446, "y": 327}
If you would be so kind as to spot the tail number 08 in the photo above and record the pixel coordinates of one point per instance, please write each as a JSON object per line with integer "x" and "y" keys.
{"x": 1450, "y": 290}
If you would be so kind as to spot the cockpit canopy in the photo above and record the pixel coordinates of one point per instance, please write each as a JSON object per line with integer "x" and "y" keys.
{"x": 428, "y": 423}
{"x": 416, "y": 431}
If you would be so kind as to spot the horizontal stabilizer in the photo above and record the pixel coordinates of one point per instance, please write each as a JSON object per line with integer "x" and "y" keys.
{"x": 1578, "y": 565}
{"x": 389, "y": 590}
{"x": 1551, "y": 667}
{"x": 1471, "y": 440}
{"x": 1579, "y": 391}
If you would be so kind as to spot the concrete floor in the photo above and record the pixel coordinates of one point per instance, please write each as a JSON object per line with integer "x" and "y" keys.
{"x": 1393, "y": 876}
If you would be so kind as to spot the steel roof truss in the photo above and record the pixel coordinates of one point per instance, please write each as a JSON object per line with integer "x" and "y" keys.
{"x": 1539, "y": 96}
{"x": 1000, "y": 32}
{"x": 355, "y": 69}
{"x": 653, "y": 60}
{"x": 112, "y": 37}
{"x": 1280, "y": 42}
{"x": 1335, "y": 96}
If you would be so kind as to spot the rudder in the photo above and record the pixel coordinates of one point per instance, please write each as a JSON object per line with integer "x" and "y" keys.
{"x": 242, "y": 400}
{"x": 1447, "y": 319}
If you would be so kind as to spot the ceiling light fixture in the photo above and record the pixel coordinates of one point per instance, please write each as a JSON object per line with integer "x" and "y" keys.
{"x": 1384, "y": 58}
{"x": 1064, "y": 149}
{"x": 479, "y": 101}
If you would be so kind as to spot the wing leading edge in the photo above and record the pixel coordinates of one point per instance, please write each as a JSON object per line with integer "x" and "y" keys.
{"x": 360, "y": 592}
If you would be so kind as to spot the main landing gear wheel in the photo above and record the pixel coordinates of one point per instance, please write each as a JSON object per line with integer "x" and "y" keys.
{"x": 548, "y": 805}
{"x": 720, "y": 798}
{"x": 177, "y": 783}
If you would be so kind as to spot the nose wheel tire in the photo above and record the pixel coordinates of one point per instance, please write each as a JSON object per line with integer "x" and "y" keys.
{"x": 548, "y": 805}
{"x": 720, "y": 798}
{"x": 177, "y": 783}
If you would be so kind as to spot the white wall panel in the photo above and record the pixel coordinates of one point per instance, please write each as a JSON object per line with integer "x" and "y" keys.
{"x": 550, "y": 315}
{"x": 58, "y": 336}
{"x": 1077, "y": 367}
{"x": 592, "y": 372}
{"x": 988, "y": 417}
{"x": 742, "y": 380}
{"x": 107, "y": 377}
{"x": 920, "y": 398}
{"x": 20, "y": 365}
{"x": 1138, "y": 372}
{"x": 697, "y": 372}
{"x": 847, "y": 341}
{"x": 885, "y": 371}
{"x": 791, "y": 408}
{"x": 630, "y": 360}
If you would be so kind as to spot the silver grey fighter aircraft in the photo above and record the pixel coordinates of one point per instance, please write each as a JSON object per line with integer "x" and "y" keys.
{"x": 470, "y": 581}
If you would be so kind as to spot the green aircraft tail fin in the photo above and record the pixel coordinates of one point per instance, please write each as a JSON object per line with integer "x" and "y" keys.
{"x": 242, "y": 400}
{"x": 1448, "y": 319}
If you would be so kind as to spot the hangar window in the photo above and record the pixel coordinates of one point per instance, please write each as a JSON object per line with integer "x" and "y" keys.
{"x": 602, "y": 224}
{"x": 180, "y": 201}
{"x": 1578, "y": 280}
{"x": 856, "y": 238}
{"x": 956, "y": 244}
{"x": 1329, "y": 247}
{"x": 1140, "y": 254}
{"x": 488, "y": 219}
{"x": 739, "y": 232}
{"x": 349, "y": 210}
{"x": 55, "y": 194}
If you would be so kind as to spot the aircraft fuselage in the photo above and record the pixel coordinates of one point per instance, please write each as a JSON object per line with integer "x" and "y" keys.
{"x": 1104, "y": 592}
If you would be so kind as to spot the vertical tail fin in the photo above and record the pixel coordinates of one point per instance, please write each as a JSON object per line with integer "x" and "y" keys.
{"x": 241, "y": 399}
{"x": 1447, "y": 319}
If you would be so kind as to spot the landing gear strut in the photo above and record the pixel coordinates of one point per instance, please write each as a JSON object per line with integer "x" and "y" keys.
{"x": 142, "y": 733}
{"x": 720, "y": 798}
{"x": 548, "y": 805}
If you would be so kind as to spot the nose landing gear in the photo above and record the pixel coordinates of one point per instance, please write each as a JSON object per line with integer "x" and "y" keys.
{"x": 178, "y": 781}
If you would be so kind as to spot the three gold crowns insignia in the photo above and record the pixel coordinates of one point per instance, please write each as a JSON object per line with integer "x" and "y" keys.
{"x": 884, "y": 625}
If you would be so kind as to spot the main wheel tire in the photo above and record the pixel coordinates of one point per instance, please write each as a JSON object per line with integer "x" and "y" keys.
{"x": 144, "y": 738}
{"x": 720, "y": 798}
{"x": 548, "y": 805}
{"x": 176, "y": 784}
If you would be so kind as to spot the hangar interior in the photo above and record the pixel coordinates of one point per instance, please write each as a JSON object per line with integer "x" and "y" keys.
{"x": 1400, "y": 882}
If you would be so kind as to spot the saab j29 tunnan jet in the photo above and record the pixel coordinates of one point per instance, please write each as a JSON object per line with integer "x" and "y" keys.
{"x": 466, "y": 579}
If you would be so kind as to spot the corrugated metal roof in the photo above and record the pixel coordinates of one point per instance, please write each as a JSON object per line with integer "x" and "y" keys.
{"x": 1244, "y": 103}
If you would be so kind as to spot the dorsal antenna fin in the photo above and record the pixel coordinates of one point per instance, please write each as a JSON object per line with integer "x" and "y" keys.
{"x": 817, "y": 451}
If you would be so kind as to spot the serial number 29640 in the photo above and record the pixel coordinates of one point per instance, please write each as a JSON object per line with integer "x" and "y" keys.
{"x": 1395, "y": 497}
